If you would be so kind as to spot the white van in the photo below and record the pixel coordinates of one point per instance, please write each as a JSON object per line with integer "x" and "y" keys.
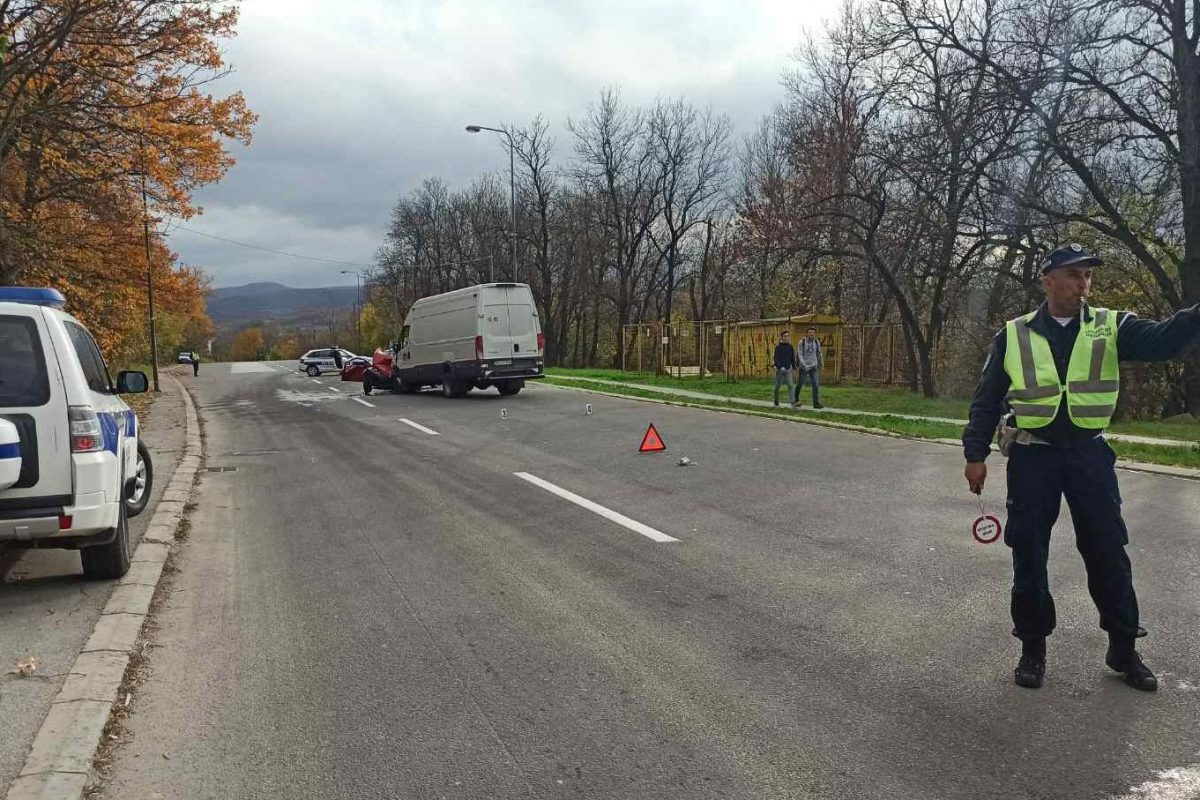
{"x": 481, "y": 336}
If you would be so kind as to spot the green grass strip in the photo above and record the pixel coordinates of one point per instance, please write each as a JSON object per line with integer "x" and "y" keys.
{"x": 915, "y": 429}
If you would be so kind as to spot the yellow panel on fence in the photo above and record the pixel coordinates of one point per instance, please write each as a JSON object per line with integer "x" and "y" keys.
{"x": 750, "y": 346}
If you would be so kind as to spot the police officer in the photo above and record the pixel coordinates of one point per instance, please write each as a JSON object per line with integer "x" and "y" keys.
{"x": 1057, "y": 370}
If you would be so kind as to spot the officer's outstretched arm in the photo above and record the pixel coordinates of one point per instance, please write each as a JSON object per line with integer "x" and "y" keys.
{"x": 1147, "y": 340}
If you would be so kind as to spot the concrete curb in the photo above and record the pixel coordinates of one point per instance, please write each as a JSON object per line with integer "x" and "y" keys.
{"x": 1183, "y": 473}
{"x": 60, "y": 760}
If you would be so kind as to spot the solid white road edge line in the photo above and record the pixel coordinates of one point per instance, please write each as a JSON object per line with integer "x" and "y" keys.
{"x": 363, "y": 402}
{"x": 596, "y": 508}
{"x": 421, "y": 428}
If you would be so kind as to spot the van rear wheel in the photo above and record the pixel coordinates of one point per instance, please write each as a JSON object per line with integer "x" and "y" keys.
{"x": 110, "y": 560}
{"x": 454, "y": 388}
{"x": 509, "y": 388}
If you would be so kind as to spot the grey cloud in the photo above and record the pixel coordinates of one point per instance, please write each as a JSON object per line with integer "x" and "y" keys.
{"x": 353, "y": 116}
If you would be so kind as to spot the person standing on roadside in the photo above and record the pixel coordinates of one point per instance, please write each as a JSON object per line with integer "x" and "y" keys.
{"x": 785, "y": 362}
{"x": 195, "y": 364}
{"x": 1057, "y": 368}
{"x": 809, "y": 360}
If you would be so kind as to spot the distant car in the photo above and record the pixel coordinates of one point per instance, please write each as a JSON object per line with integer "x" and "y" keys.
{"x": 184, "y": 358}
{"x": 314, "y": 362}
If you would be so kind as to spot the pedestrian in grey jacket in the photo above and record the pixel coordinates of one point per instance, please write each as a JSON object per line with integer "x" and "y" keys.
{"x": 811, "y": 359}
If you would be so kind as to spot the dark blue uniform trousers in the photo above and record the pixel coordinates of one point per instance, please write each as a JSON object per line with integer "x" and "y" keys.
{"x": 1038, "y": 478}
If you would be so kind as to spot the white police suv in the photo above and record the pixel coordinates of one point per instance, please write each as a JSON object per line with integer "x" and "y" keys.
{"x": 70, "y": 466}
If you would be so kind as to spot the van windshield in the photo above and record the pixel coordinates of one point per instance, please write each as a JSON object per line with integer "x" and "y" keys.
{"x": 23, "y": 381}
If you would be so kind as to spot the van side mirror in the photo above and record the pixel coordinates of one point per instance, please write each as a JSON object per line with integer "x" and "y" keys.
{"x": 130, "y": 382}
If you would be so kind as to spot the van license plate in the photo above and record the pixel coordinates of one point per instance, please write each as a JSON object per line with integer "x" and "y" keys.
{"x": 503, "y": 362}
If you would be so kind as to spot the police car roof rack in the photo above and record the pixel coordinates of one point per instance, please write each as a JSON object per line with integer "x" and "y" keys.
{"x": 32, "y": 296}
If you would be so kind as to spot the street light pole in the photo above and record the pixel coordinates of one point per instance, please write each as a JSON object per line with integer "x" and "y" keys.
{"x": 512, "y": 195}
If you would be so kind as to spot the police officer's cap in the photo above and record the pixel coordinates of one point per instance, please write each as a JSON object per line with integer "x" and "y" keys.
{"x": 1071, "y": 255}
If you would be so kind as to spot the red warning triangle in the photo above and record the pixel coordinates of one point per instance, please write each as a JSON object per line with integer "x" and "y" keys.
{"x": 652, "y": 442}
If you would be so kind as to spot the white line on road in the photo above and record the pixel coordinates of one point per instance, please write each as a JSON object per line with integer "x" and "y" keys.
{"x": 421, "y": 428}
{"x": 314, "y": 380}
{"x": 596, "y": 508}
{"x": 363, "y": 402}
{"x": 333, "y": 388}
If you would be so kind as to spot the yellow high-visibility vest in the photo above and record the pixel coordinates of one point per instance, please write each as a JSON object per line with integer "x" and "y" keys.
{"x": 1093, "y": 373}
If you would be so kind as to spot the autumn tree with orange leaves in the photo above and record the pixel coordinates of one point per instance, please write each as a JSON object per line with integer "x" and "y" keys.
{"x": 101, "y": 100}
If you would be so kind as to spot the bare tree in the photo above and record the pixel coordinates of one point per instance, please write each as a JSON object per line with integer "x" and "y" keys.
{"x": 616, "y": 164}
{"x": 690, "y": 150}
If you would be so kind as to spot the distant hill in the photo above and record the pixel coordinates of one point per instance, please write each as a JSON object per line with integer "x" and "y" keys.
{"x": 233, "y": 305}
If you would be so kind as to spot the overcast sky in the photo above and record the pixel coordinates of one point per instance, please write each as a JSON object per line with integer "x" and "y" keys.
{"x": 361, "y": 100}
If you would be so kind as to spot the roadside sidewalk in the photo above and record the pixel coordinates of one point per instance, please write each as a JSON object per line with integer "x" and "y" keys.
{"x": 745, "y": 401}
{"x": 48, "y": 609}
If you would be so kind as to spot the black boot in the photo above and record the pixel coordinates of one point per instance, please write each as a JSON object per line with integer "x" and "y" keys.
{"x": 1031, "y": 669}
{"x": 1123, "y": 658}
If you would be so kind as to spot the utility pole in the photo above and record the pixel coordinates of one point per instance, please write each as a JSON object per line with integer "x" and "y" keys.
{"x": 149, "y": 275}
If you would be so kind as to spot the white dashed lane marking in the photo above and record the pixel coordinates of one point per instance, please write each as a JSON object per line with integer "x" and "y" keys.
{"x": 419, "y": 427}
{"x": 596, "y": 508}
{"x": 360, "y": 401}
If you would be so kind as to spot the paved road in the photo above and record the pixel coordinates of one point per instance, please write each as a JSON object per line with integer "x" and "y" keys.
{"x": 48, "y": 609}
{"x": 366, "y": 610}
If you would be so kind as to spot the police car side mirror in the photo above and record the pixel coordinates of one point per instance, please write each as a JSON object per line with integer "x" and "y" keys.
{"x": 130, "y": 382}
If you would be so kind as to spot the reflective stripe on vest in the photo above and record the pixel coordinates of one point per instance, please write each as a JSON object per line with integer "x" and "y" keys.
{"x": 1093, "y": 375}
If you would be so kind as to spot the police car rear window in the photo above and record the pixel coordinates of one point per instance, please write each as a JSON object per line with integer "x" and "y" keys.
{"x": 23, "y": 380}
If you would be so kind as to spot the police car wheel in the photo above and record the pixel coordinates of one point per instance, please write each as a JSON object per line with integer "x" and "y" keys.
{"x": 312, "y": 371}
{"x": 104, "y": 561}
{"x": 142, "y": 483}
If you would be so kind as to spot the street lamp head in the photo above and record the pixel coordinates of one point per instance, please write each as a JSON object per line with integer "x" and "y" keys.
{"x": 473, "y": 129}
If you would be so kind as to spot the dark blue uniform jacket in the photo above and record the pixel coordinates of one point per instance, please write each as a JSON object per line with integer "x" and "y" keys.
{"x": 1137, "y": 340}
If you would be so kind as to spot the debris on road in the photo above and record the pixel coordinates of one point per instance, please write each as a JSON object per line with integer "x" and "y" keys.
{"x": 25, "y": 668}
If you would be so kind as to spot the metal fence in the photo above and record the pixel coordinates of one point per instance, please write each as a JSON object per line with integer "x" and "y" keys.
{"x": 682, "y": 349}
{"x": 859, "y": 352}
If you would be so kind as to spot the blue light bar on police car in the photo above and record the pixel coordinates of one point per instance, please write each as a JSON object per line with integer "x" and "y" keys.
{"x": 32, "y": 296}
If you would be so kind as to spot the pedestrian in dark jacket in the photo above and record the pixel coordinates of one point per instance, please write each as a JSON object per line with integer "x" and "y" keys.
{"x": 1057, "y": 369}
{"x": 195, "y": 364}
{"x": 785, "y": 362}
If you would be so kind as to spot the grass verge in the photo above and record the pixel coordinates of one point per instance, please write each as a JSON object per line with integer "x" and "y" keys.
{"x": 896, "y": 426}
{"x": 856, "y": 398}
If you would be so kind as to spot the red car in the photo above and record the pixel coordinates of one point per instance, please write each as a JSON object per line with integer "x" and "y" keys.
{"x": 374, "y": 375}
{"x": 353, "y": 369}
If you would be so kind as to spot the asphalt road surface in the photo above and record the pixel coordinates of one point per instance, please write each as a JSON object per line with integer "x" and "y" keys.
{"x": 48, "y": 609}
{"x": 369, "y": 608}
